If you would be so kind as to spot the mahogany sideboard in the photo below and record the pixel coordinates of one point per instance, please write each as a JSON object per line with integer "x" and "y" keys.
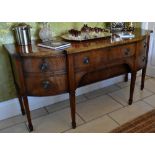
{"x": 43, "y": 72}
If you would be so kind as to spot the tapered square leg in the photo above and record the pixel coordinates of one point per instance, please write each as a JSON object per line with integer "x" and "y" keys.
{"x": 28, "y": 113}
{"x": 73, "y": 109}
{"x": 126, "y": 77}
{"x": 143, "y": 78}
{"x": 21, "y": 105}
{"x": 132, "y": 86}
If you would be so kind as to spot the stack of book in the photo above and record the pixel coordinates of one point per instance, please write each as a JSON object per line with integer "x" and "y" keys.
{"x": 55, "y": 44}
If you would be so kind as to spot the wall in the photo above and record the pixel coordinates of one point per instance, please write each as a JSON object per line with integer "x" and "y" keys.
{"x": 9, "y": 104}
{"x": 151, "y": 58}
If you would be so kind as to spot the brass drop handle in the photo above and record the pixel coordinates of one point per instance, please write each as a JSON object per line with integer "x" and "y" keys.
{"x": 144, "y": 44}
{"x": 127, "y": 50}
{"x": 144, "y": 58}
{"x": 44, "y": 67}
{"x": 86, "y": 60}
{"x": 46, "y": 84}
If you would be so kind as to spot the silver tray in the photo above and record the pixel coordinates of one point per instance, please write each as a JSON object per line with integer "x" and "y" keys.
{"x": 69, "y": 37}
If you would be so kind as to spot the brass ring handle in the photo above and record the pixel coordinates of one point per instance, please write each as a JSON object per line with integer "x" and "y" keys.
{"x": 86, "y": 60}
{"x": 46, "y": 84}
{"x": 44, "y": 67}
{"x": 144, "y": 44}
{"x": 144, "y": 58}
{"x": 127, "y": 50}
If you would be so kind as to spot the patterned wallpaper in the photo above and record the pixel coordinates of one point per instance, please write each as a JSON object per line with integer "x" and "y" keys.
{"x": 6, "y": 35}
{"x": 7, "y": 88}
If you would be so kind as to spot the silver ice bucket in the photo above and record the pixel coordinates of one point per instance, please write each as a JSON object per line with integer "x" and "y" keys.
{"x": 22, "y": 34}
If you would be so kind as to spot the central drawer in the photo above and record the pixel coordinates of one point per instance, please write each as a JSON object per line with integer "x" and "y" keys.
{"x": 49, "y": 64}
{"x": 96, "y": 58}
{"x": 90, "y": 58}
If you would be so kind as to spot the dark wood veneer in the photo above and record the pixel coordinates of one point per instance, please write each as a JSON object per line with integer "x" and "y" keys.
{"x": 44, "y": 72}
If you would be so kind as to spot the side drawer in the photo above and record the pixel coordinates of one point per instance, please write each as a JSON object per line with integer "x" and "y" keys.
{"x": 37, "y": 85}
{"x": 120, "y": 52}
{"x": 49, "y": 64}
{"x": 142, "y": 55}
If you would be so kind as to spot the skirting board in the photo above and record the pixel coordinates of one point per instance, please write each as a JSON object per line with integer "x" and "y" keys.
{"x": 11, "y": 108}
{"x": 150, "y": 71}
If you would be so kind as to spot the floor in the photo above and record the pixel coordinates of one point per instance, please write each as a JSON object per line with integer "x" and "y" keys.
{"x": 98, "y": 111}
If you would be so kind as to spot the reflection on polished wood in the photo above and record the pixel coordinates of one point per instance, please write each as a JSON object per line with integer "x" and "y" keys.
{"x": 43, "y": 72}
